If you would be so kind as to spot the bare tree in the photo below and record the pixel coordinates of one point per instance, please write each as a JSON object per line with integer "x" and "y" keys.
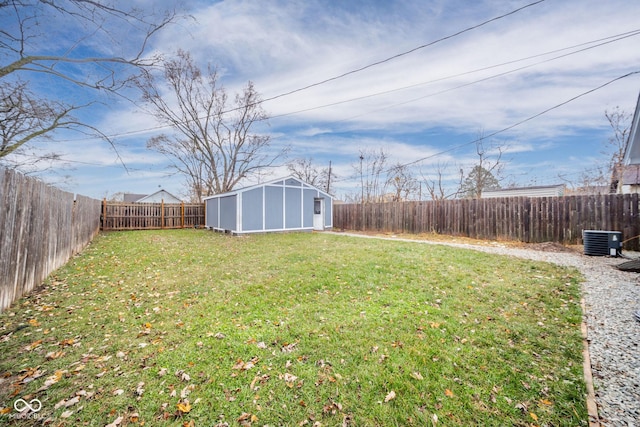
{"x": 24, "y": 117}
{"x": 435, "y": 183}
{"x": 369, "y": 169}
{"x": 402, "y": 182}
{"x": 83, "y": 55}
{"x": 484, "y": 175}
{"x": 306, "y": 170}
{"x": 215, "y": 144}
{"x": 620, "y": 123}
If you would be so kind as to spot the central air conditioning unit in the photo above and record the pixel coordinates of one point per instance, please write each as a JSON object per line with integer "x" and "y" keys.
{"x": 602, "y": 243}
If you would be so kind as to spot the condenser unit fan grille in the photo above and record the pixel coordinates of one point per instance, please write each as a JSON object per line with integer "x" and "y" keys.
{"x": 602, "y": 243}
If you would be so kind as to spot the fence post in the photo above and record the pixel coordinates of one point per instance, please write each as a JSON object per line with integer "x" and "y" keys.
{"x": 182, "y": 214}
{"x": 162, "y": 213}
{"x": 104, "y": 213}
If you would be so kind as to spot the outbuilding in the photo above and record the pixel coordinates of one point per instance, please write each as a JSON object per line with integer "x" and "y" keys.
{"x": 534, "y": 191}
{"x": 285, "y": 204}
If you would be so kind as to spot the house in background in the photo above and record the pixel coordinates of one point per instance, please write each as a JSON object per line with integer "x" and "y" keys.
{"x": 285, "y": 204}
{"x": 157, "y": 197}
{"x": 630, "y": 180}
{"x": 536, "y": 191}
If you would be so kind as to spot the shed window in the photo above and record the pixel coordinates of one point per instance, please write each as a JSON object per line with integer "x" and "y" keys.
{"x": 317, "y": 206}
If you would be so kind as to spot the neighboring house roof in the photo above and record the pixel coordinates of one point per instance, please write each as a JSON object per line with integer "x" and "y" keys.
{"x": 590, "y": 189}
{"x": 536, "y": 191}
{"x": 131, "y": 198}
{"x": 157, "y": 197}
{"x": 632, "y": 149}
{"x": 286, "y": 179}
{"x": 631, "y": 175}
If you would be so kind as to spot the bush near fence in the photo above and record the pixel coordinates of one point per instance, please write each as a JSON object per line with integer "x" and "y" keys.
{"x": 523, "y": 219}
{"x": 42, "y": 227}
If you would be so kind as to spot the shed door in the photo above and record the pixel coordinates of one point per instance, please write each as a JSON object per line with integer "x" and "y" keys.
{"x": 318, "y": 214}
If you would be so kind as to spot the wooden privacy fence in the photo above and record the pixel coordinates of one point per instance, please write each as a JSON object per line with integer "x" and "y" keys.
{"x": 41, "y": 228}
{"x": 143, "y": 216}
{"x": 524, "y": 219}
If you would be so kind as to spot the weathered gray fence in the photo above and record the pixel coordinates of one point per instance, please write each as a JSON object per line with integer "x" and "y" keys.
{"x": 524, "y": 219}
{"x": 41, "y": 227}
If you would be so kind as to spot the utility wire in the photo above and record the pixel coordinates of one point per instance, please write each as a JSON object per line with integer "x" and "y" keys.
{"x": 399, "y": 55}
{"x": 601, "y": 42}
{"x": 528, "y": 119}
{"x": 609, "y": 40}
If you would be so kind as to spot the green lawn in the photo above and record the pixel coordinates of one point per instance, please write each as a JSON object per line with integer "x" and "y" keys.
{"x": 192, "y": 327}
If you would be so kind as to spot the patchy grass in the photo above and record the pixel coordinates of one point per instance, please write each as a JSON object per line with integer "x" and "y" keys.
{"x": 196, "y": 328}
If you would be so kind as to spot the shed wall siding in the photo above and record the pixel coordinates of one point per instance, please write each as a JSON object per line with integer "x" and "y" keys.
{"x": 252, "y": 210}
{"x": 273, "y": 210}
{"x": 228, "y": 213}
{"x": 292, "y": 208}
{"x": 212, "y": 209}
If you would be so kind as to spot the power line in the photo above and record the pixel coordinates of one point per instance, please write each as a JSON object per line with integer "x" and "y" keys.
{"x": 600, "y": 42}
{"x": 399, "y": 55}
{"x": 391, "y": 58}
{"x": 528, "y": 119}
{"x": 610, "y": 39}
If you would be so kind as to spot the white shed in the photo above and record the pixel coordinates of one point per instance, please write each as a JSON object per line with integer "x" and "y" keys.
{"x": 285, "y": 204}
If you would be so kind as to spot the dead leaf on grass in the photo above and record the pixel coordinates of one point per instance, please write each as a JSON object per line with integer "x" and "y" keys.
{"x": 288, "y": 348}
{"x": 72, "y": 401}
{"x": 33, "y": 345}
{"x": 390, "y": 396}
{"x": 417, "y": 375}
{"x": 185, "y": 391}
{"x": 247, "y": 419}
{"x": 140, "y": 389}
{"x": 51, "y": 380}
{"x": 54, "y": 355}
{"x": 245, "y": 366}
{"x": 182, "y": 375}
{"x": 115, "y": 422}
{"x": 184, "y": 407}
{"x": 262, "y": 379}
{"x": 290, "y": 379}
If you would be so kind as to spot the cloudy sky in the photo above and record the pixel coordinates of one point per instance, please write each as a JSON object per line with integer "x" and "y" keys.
{"x": 419, "y": 79}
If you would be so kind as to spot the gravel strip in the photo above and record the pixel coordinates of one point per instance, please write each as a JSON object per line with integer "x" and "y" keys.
{"x": 612, "y": 297}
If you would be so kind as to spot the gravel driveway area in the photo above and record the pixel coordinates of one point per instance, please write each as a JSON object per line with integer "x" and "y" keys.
{"x": 612, "y": 297}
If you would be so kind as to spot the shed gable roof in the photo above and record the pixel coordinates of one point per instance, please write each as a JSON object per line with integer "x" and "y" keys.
{"x": 632, "y": 149}
{"x": 288, "y": 181}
